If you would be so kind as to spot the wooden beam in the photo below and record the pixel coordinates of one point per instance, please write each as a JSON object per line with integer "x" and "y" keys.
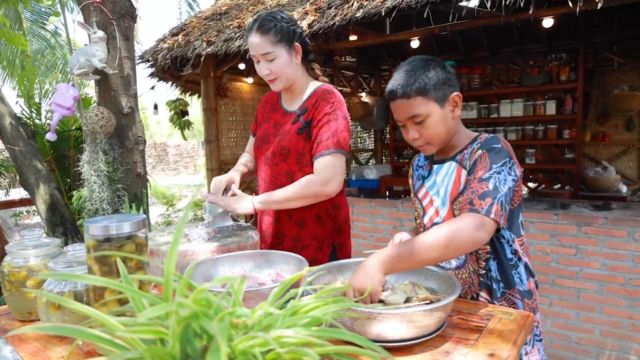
{"x": 227, "y": 64}
{"x": 208, "y": 86}
{"x": 466, "y": 24}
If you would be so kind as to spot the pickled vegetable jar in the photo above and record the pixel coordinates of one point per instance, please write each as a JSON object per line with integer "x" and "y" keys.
{"x": 19, "y": 273}
{"x": 123, "y": 233}
{"x": 74, "y": 263}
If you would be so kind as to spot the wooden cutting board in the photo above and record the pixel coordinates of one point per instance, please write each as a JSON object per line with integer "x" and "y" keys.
{"x": 475, "y": 331}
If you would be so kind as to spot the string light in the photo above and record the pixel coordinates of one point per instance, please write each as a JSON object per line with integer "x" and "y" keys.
{"x": 242, "y": 65}
{"x": 249, "y": 79}
{"x": 547, "y": 22}
{"x": 415, "y": 43}
{"x": 353, "y": 37}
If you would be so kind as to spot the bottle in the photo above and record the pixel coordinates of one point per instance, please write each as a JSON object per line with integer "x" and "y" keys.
{"x": 567, "y": 104}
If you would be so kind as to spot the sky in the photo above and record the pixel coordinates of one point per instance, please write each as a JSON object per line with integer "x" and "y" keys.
{"x": 155, "y": 18}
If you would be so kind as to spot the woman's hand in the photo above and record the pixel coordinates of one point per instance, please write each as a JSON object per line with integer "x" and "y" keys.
{"x": 367, "y": 282}
{"x": 237, "y": 202}
{"x": 221, "y": 183}
{"x": 399, "y": 237}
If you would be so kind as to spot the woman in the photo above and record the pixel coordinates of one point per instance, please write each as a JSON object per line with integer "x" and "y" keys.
{"x": 298, "y": 149}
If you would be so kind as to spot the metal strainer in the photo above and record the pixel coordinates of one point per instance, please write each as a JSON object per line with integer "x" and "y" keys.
{"x": 399, "y": 323}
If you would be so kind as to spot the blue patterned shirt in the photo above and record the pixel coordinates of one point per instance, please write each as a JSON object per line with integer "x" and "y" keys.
{"x": 483, "y": 178}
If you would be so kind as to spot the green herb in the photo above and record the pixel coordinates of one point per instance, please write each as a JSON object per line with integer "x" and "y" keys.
{"x": 187, "y": 321}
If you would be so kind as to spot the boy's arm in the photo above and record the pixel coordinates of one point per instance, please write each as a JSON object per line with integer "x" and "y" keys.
{"x": 458, "y": 236}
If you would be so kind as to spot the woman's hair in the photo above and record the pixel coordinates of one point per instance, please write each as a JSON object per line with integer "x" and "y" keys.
{"x": 285, "y": 30}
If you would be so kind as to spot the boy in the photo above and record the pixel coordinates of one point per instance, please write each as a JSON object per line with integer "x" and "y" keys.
{"x": 466, "y": 188}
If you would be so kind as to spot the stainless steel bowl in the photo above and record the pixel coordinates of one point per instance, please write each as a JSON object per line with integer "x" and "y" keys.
{"x": 251, "y": 261}
{"x": 395, "y": 324}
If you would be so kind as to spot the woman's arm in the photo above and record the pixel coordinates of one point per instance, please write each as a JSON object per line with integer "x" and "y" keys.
{"x": 324, "y": 183}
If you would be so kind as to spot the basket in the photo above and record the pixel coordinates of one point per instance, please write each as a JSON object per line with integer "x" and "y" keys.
{"x": 602, "y": 184}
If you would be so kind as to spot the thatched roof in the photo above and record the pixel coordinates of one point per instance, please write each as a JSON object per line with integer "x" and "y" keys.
{"x": 219, "y": 29}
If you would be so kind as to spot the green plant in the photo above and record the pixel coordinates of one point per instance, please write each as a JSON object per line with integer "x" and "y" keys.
{"x": 196, "y": 210}
{"x": 187, "y": 321}
{"x": 8, "y": 174}
{"x": 179, "y": 115}
{"x": 164, "y": 196}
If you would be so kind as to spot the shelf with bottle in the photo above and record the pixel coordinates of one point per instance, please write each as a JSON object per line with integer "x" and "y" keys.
{"x": 522, "y": 119}
{"x": 519, "y": 89}
{"x": 550, "y": 166}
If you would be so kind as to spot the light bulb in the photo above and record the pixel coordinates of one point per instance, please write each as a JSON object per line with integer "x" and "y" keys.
{"x": 242, "y": 65}
{"x": 155, "y": 109}
{"x": 547, "y": 22}
{"x": 415, "y": 43}
{"x": 353, "y": 37}
{"x": 249, "y": 79}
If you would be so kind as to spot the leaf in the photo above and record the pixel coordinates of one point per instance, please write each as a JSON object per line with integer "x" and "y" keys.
{"x": 104, "y": 341}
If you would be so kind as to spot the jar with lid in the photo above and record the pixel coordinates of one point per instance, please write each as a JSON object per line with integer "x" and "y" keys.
{"x": 566, "y": 132}
{"x": 539, "y": 108}
{"x": 527, "y": 133}
{"x": 517, "y": 107}
{"x": 71, "y": 263}
{"x": 483, "y": 111}
{"x": 528, "y": 108}
{"x": 518, "y": 132}
{"x": 500, "y": 131}
{"x": 126, "y": 233}
{"x": 552, "y": 132}
{"x": 538, "y": 132}
{"x": 550, "y": 107}
{"x": 31, "y": 233}
{"x": 494, "y": 110}
{"x": 79, "y": 248}
{"x": 25, "y": 261}
{"x": 505, "y": 108}
{"x": 511, "y": 133}
{"x": 530, "y": 156}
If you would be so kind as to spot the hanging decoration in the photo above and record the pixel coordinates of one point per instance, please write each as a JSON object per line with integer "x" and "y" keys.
{"x": 63, "y": 103}
{"x": 94, "y": 56}
{"x": 98, "y": 121}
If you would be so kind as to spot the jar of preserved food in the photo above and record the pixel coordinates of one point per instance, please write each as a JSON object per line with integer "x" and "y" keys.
{"x": 538, "y": 132}
{"x": 72, "y": 263}
{"x": 21, "y": 269}
{"x": 125, "y": 233}
{"x": 530, "y": 156}
{"x": 527, "y": 133}
{"x": 552, "y": 132}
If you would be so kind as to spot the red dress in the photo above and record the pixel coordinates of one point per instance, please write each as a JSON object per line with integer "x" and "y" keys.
{"x": 286, "y": 144}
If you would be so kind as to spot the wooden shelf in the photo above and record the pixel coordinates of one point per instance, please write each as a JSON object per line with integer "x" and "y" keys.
{"x": 542, "y": 142}
{"x": 520, "y": 89}
{"x": 521, "y": 119}
{"x": 614, "y": 142}
{"x": 543, "y": 166}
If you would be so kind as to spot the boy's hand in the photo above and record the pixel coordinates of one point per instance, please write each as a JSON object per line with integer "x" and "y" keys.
{"x": 400, "y": 237}
{"x": 366, "y": 282}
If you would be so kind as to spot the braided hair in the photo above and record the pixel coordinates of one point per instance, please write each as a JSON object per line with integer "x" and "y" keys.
{"x": 285, "y": 30}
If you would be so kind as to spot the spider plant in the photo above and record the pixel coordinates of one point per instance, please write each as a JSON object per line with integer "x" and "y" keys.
{"x": 187, "y": 321}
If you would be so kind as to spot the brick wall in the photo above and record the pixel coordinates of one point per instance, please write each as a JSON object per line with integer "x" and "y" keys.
{"x": 175, "y": 159}
{"x": 587, "y": 263}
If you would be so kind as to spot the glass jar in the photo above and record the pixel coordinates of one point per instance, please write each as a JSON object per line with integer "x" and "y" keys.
{"x": 31, "y": 233}
{"x": 483, "y": 111}
{"x": 505, "y": 108}
{"x": 528, "y": 108}
{"x": 552, "y": 132}
{"x": 24, "y": 262}
{"x": 566, "y": 132}
{"x": 511, "y": 133}
{"x": 517, "y": 107}
{"x": 494, "y": 111}
{"x": 500, "y": 131}
{"x": 527, "y": 133}
{"x": 72, "y": 263}
{"x": 539, "y": 108}
{"x": 530, "y": 156}
{"x": 75, "y": 248}
{"x": 518, "y": 132}
{"x": 538, "y": 132}
{"x": 550, "y": 107}
{"x": 125, "y": 233}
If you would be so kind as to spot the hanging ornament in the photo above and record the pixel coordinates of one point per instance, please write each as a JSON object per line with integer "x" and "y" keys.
{"x": 98, "y": 121}
{"x": 63, "y": 103}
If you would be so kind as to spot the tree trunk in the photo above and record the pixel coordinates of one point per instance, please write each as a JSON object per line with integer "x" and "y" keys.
{"x": 35, "y": 176}
{"x": 118, "y": 93}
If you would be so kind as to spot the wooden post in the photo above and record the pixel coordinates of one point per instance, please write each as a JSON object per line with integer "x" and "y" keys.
{"x": 208, "y": 85}
{"x": 378, "y": 135}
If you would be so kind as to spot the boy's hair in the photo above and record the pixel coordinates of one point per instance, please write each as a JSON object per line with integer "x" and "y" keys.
{"x": 424, "y": 76}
